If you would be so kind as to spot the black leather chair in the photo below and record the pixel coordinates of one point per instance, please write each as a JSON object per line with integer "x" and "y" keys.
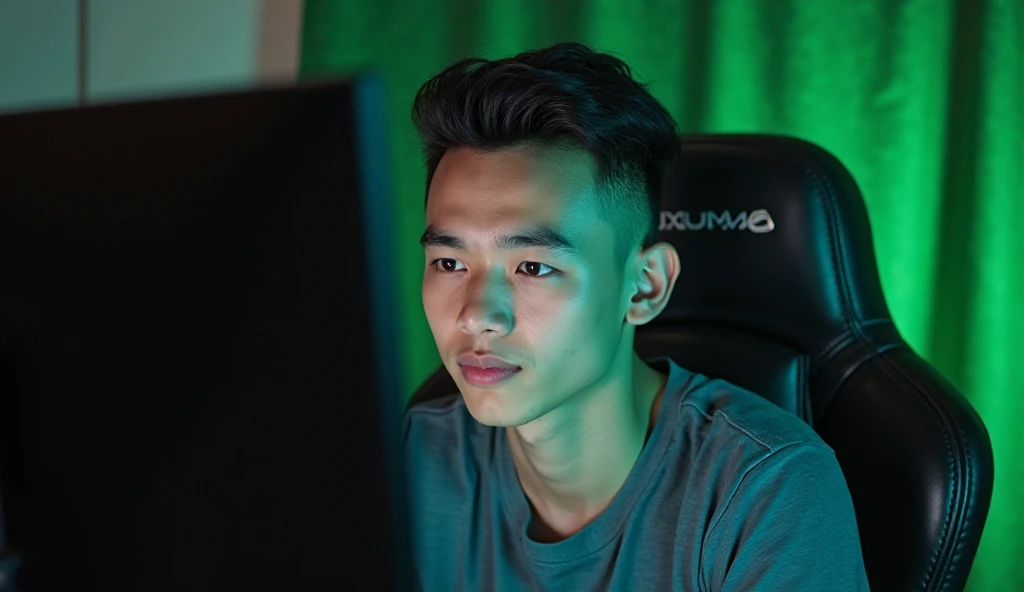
{"x": 779, "y": 293}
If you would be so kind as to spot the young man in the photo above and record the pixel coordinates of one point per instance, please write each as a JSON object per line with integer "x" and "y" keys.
{"x": 567, "y": 462}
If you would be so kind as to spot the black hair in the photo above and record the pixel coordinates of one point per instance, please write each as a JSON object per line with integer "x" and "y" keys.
{"x": 566, "y": 93}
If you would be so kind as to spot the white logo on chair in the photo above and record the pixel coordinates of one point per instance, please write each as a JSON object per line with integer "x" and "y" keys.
{"x": 756, "y": 221}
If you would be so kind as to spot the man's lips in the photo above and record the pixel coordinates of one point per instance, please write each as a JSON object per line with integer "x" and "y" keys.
{"x": 487, "y": 376}
{"x": 485, "y": 370}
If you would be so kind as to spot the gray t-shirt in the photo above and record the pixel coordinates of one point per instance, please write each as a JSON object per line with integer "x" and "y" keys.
{"x": 729, "y": 493}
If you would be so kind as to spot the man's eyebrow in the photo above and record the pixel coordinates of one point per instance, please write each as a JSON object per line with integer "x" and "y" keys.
{"x": 529, "y": 238}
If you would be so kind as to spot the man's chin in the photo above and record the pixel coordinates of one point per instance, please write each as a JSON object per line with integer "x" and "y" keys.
{"x": 491, "y": 408}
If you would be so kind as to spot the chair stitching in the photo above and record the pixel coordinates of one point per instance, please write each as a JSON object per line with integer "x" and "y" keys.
{"x": 961, "y": 485}
{"x": 937, "y": 557}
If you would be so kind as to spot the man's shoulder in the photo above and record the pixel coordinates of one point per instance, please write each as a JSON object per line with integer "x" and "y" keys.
{"x": 772, "y": 491}
{"x": 727, "y": 410}
{"x": 443, "y": 428}
{"x": 446, "y": 451}
{"x": 439, "y": 411}
{"x": 444, "y": 417}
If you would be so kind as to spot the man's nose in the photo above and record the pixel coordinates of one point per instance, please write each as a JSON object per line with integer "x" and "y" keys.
{"x": 488, "y": 307}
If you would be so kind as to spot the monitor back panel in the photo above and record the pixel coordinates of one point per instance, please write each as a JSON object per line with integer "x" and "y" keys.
{"x": 192, "y": 395}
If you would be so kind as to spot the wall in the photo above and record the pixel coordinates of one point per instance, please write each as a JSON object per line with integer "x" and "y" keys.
{"x": 142, "y": 48}
{"x": 38, "y": 53}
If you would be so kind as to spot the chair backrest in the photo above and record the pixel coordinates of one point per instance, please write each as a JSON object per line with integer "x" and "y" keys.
{"x": 780, "y": 294}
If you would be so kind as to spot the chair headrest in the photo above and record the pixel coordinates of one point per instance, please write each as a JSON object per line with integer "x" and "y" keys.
{"x": 774, "y": 237}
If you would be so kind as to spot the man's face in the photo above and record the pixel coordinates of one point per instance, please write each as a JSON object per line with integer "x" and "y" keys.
{"x": 498, "y": 281}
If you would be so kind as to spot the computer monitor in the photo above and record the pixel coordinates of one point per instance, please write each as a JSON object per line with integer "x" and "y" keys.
{"x": 199, "y": 385}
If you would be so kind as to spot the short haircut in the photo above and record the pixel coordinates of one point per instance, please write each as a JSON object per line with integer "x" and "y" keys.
{"x": 566, "y": 94}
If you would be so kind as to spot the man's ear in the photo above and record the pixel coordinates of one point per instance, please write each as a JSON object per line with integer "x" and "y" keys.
{"x": 658, "y": 268}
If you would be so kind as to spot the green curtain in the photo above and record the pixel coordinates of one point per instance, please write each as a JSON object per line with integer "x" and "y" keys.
{"x": 921, "y": 99}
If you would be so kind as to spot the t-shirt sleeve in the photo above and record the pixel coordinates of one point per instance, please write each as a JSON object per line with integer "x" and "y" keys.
{"x": 789, "y": 525}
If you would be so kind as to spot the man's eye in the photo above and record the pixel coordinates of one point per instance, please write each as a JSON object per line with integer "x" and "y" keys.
{"x": 534, "y": 269}
{"x": 446, "y": 265}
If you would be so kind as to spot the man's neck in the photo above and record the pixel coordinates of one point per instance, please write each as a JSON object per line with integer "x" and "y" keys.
{"x": 572, "y": 462}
